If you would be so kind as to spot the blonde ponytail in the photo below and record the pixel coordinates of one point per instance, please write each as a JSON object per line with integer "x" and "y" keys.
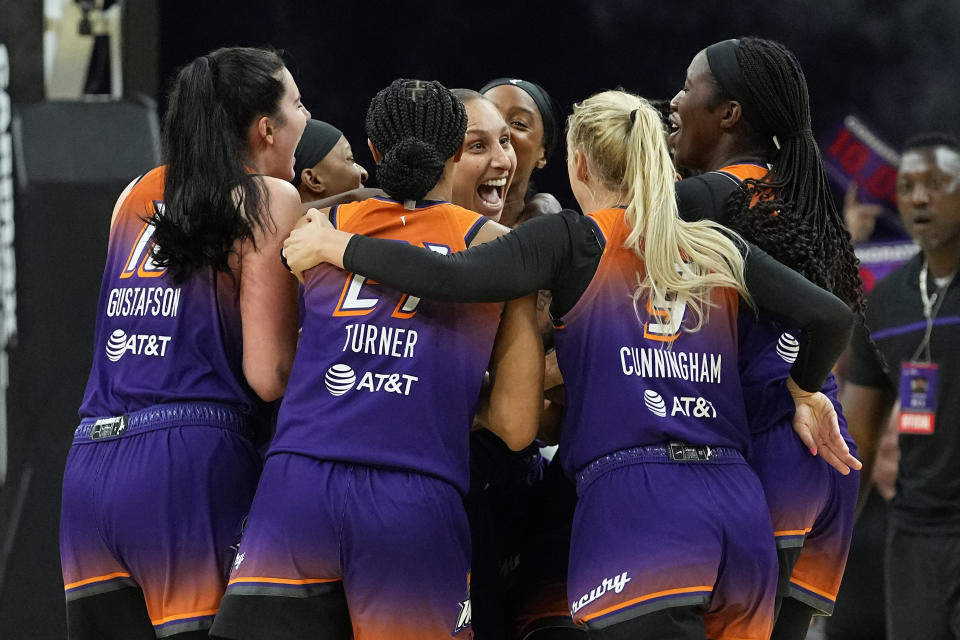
{"x": 622, "y": 137}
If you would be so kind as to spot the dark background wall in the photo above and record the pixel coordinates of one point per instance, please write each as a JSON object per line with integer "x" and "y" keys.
{"x": 892, "y": 63}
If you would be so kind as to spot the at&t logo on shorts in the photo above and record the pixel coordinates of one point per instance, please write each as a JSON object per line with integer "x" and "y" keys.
{"x": 138, "y": 344}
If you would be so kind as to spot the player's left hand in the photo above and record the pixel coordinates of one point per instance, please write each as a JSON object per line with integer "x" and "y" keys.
{"x": 302, "y": 248}
{"x": 816, "y": 424}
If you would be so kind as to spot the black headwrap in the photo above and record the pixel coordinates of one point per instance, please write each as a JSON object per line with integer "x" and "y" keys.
{"x": 545, "y": 105}
{"x": 726, "y": 70}
{"x": 318, "y": 139}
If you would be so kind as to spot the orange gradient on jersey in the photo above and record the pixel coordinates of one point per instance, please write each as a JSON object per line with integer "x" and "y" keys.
{"x": 742, "y": 625}
{"x": 95, "y": 579}
{"x": 746, "y": 172}
{"x": 820, "y": 570}
{"x": 702, "y": 589}
{"x": 172, "y": 595}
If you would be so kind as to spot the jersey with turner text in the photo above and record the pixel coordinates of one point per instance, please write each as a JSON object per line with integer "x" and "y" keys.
{"x": 382, "y": 378}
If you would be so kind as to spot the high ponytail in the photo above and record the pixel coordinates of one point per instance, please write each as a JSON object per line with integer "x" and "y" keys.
{"x": 791, "y": 212}
{"x": 622, "y": 137}
{"x": 211, "y": 199}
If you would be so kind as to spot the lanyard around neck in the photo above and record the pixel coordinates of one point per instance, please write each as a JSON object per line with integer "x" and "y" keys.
{"x": 931, "y": 307}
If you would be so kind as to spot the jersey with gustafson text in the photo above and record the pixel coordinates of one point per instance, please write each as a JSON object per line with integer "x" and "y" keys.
{"x": 382, "y": 378}
{"x": 156, "y": 341}
{"x": 641, "y": 378}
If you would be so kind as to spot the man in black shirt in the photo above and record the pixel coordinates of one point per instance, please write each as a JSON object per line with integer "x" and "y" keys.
{"x": 914, "y": 320}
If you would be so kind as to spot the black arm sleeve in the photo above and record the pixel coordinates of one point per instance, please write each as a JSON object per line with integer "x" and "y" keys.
{"x": 785, "y": 296}
{"x": 705, "y": 197}
{"x": 529, "y": 258}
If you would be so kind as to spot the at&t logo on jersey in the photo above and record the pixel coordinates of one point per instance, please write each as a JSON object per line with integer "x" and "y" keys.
{"x": 654, "y": 402}
{"x": 340, "y": 379}
{"x": 138, "y": 344}
{"x": 688, "y": 406}
{"x": 788, "y": 348}
{"x": 693, "y": 407}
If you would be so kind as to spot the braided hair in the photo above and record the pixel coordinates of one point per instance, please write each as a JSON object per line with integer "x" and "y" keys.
{"x": 417, "y": 125}
{"x": 790, "y": 213}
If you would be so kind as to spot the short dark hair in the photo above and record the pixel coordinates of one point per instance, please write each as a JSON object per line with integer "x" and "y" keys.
{"x": 930, "y": 139}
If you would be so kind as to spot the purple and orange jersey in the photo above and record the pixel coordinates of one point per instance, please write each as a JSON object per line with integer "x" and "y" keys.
{"x": 683, "y": 534}
{"x": 641, "y": 382}
{"x": 157, "y": 510}
{"x": 688, "y": 382}
{"x": 396, "y": 543}
{"x": 157, "y": 341}
{"x": 813, "y": 506}
{"x": 382, "y": 378}
{"x": 744, "y": 171}
{"x": 149, "y": 499}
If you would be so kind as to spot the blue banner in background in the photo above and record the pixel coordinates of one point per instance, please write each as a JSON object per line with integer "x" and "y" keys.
{"x": 877, "y": 260}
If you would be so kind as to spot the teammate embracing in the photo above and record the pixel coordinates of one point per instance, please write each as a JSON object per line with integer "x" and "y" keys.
{"x": 671, "y": 535}
{"x": 743, "y": 118}
{"x": 358, "y": 524}
{"x": 197, "y": 331}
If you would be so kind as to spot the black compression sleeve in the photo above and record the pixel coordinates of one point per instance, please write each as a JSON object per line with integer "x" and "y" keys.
{"x": 705, "y": 197}
{"x": 527, "y": 259}
{"x": 785, "y": 296}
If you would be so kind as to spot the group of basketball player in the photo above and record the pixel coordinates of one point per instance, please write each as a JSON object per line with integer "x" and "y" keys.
{"x": 699, "y": 429}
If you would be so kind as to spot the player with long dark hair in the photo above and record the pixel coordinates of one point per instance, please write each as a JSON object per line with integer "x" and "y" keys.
{"x": 743, "y": 119}
{"x": 196, "y": 333}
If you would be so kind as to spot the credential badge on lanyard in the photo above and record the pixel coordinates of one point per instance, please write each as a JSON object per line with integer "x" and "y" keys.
{"x": 918, "y": 376}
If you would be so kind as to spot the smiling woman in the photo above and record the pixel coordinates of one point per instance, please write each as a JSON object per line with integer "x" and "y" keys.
{"x": 196, "y": 333}
{"x": 743, "y": 118}
{"x": 350, "y": 468}
{"x": 530, "y": 114}
{"x": 324, "y": 164}
{"x": 483, "y": 174}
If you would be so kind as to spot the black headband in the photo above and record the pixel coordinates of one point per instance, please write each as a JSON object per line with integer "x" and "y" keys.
{"x": 726, "y": 70}
{"x": 317, "y": 141}
{"x": 544, "y": 105}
